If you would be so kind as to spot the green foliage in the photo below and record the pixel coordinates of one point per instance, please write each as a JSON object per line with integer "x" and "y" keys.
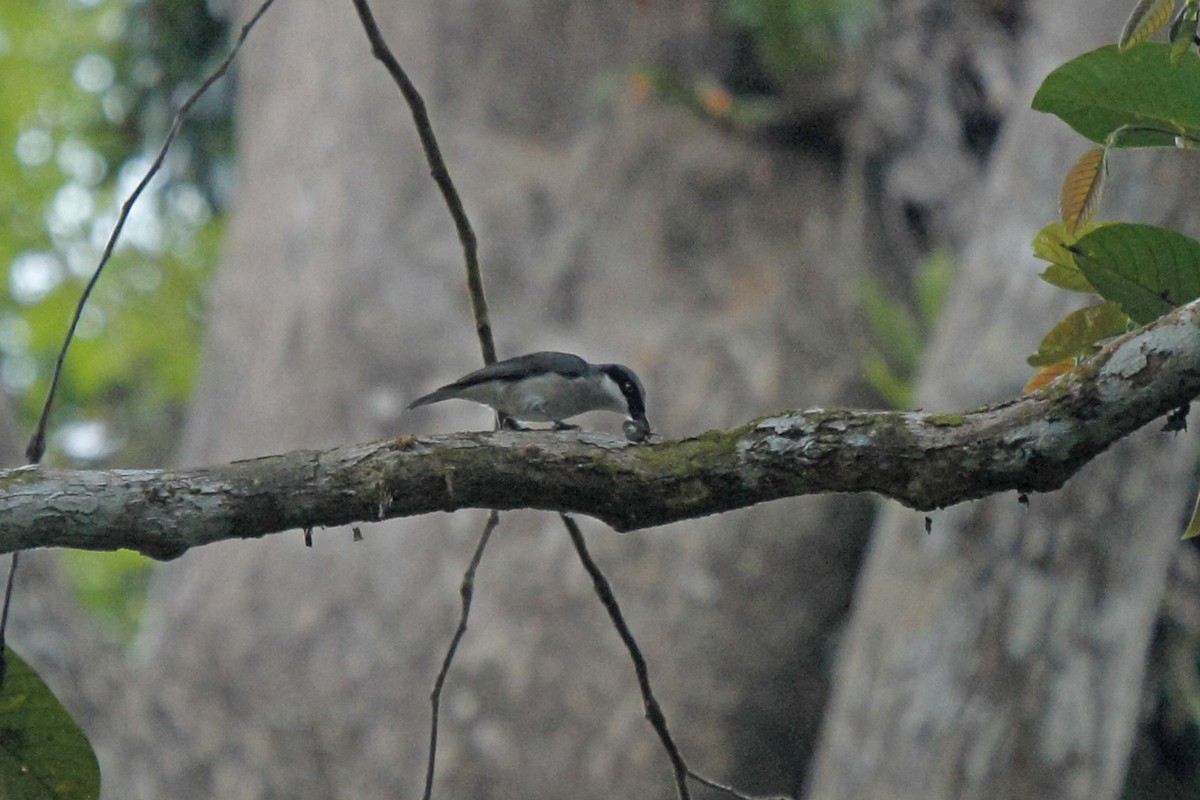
{"x": 1137, "y": 96}
{"x": 899, "y": 331}
{"x": 110, "y": 586}
{"x": 792, "y": 35}
{"x": 90, "y": 89}
{"x": 931, "y": 281}
{"x": 1053, "y": 243}
{"x": 1077, "y": 333}
{"x": 1183, "y": 30}
{"x": 43, "y": 754}
{"x": 788, "y": 42}
{"x": 1134, "y": 94}
{"x": 97, "y": 82}
{"x": 1145, "y": 270}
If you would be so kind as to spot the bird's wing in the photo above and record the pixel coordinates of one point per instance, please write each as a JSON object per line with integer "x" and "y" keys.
{"x": 524, "y": 367}
{"x": 510, "y": 370}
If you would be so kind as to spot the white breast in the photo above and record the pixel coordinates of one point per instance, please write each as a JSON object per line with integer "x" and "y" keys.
{"x": 545, "y": 398}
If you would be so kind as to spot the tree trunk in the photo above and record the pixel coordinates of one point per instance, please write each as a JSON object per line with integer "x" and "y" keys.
{"x": 1002, "y": 655}
{"x": 619, "y": 230}
{"x": 10, "y": 437}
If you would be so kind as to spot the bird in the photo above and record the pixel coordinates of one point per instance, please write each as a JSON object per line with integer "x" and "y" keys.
{"x": 551, "y": 387}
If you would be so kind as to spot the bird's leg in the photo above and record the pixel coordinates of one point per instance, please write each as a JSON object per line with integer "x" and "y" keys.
{"x": 564, "y": 426}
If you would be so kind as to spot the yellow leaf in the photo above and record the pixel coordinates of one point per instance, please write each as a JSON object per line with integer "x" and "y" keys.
{"x": 1052, "y": 244}
{"x": 1079, "y": 333}
{"x": 1080, "y": 196}
{"x": 1147, "y": 17}
{"x": 1193, "y": 528}
{"x": 1183, "y": 31}
{"x": 1046, "y": 374}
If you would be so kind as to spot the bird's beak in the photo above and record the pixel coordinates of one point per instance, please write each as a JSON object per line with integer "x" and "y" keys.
{"x": 636, "y": 430}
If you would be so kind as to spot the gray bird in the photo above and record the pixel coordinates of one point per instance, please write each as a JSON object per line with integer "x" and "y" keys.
{"x": 552, "y": 387}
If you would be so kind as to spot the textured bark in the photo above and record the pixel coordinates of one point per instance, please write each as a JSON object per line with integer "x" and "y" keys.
{"x": 1003, "y": 655}
{"x": 47, "y": 627}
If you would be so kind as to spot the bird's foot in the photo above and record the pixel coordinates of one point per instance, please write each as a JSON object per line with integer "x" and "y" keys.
{"x": 564, "y": 426}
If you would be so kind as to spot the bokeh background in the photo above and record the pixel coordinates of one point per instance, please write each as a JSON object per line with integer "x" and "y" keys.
{"x": 756, "y": 204}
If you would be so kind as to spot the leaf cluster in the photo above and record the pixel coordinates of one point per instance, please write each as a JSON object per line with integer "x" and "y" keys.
{"x": 97, "y": 82}
{"x": 1133, "y": 94}
{"x": 792, "y": 35}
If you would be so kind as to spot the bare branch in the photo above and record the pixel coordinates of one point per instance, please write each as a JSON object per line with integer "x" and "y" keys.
{"x": 441, "y": 176}
{"x": 923, "y": 460}
{"x": 467, "y": 593}
{"x": 654, "y": 713}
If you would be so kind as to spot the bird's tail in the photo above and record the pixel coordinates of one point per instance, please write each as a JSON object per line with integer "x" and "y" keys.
{"x": 444, "y": 393}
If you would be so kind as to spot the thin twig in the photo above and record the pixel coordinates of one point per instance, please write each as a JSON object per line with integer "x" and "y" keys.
{"x": 467, "y": 590}
{"x": 466, "y": 235}
{"x": 37, "y": 444}
{"x": 653, "y": 712}
{"x": 720, "y": 787}
{"x": 479, "y": 309}
{"x": 441, "y": 175}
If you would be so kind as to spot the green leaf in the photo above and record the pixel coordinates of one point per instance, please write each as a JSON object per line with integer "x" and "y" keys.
{"x": 895, "y": 330}
{"x": 1053, "y": 243}
{"x": 895, "y": 389}
{"x": 1137, "y": 93}
{"x": 790, "y": 36}
{"x": 1066, "y": 277}
{"x": 931, "y": 282}
{"x": 1145, "y": 270}
{"x": 1078, "y": 332}
{"x": 1147, "y": 17}
{"x": 43, "y": 754}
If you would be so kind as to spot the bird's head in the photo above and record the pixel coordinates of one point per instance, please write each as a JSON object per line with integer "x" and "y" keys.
{"x": 637, "y": 427}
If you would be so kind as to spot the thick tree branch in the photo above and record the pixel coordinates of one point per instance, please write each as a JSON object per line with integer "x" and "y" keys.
{"x": 923, "y": 460}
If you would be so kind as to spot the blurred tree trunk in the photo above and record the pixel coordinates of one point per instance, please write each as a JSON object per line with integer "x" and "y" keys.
{"x": 1003, "y": 654}
{"x": 617, "y": 229}
{"x": 724, "y": 270}
{"x": 10, "y": 437}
